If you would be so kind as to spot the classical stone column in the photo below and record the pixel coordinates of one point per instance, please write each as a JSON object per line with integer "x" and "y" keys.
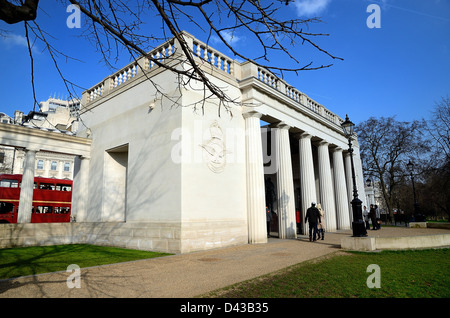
{"x": 340, "y": 191}
{"x": 256, "y": 212}
{"x": 307, "y": 180}
{"x": 80, "y": 189}
{"x": 285, "y": 184}
{"x": 360, "y": 182}
{"x": 326, "y": 187}
{"x": 26, "y": 187}
{"x": 348, "y": 176}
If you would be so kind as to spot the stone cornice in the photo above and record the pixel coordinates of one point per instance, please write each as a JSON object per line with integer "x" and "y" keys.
{"x": 254, "y": 83}
{"x": 33, "y": 138}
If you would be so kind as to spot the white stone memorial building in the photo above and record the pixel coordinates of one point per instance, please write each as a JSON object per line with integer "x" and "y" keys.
{"x": 170, "y": 166}
{"x": 167, "y": 172}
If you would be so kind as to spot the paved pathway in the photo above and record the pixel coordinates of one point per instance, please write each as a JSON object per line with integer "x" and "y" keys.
{"x": 187, "y": 275}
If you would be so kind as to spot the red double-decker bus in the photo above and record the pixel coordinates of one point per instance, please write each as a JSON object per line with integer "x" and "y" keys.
{"x": 52, "y": 199}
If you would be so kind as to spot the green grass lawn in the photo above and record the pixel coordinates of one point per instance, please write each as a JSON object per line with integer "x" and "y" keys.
{"x": 25, "y": 261}
{"x": 403, "y": 274}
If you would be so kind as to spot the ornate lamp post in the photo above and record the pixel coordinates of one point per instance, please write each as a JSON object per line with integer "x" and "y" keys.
{"x": 371, "y": 184}
{"x": 417, "y": 216}
{"x": 358, "y": 226}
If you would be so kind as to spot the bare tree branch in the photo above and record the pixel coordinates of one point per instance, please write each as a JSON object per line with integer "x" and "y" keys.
{"x": 113, "y": 25}
{"x": 386, "y": 145}
{"x": 32, "y": 65}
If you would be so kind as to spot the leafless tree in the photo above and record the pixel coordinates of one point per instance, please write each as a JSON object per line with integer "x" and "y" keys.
{"x": 438, "y": 127}
{"x": 436, "y": 187}
{"x": 386, "y": 146}
{"x": 112, "y": 25}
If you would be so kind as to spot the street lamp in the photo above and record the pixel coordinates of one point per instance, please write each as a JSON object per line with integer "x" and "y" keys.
{"x": 417, "y": 216}
{"x": 371, "y": 184}
{"x": 358, "y": 226}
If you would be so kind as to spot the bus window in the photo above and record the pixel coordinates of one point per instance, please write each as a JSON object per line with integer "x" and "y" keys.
{"x": 46, "y": 186}
{"x": 63, "y": 187}
{"x": 43, "y": 209}
{"x": 6, "y": 183}
{"x": 34, "y": 185}
{"x": 6, "y": 207}
{"x": 62, "y": 210}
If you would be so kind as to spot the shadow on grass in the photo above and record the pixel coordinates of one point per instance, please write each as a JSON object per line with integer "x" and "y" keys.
{"x": 28, "y": 261}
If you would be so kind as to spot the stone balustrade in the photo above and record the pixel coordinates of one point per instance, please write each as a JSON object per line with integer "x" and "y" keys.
{"x": 294, "y": 94}
{"x": 130, "y": 71}
{"x": 214, "y": 58}
{"x": 268, "y": 78}
{"x": 125, "y": 74}
{"x": 160, "y": 54}
{"x": 280, "y": 85}
{"x": 95, "y": 92}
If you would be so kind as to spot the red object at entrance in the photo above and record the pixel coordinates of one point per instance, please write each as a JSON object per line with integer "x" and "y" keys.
{"x": 298, "y": 218}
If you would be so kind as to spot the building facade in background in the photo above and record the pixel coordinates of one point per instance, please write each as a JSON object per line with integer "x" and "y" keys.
{"x": 54, "y": 115}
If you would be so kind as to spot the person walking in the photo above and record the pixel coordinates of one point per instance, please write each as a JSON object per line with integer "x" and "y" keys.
{"x": 366, "y": 217}
{"x": 313, "y": 217}
{"x": 321, "y": 225}
{"x": 373, "y": 217}
{"x": 268, "y": 220}
{"x": 378, "y": 217}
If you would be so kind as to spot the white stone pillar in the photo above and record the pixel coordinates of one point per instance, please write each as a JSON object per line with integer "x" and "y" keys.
{"x": 80, "y": 189}
{"x": 349, "y": 179}
{"x": 326, "y": 187}
{"x": 360, "y": 182}
{"x": 370, "y": 198}
{"x": 256, "y": 211}
{"x": 26, "y": 187}
{"x": 340, "y": 190}
{"x": 285, "y": 184}
{"x": 307, "y": 180}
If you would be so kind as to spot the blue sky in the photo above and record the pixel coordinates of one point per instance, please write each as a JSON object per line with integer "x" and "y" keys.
{"x": 400, "y": 69}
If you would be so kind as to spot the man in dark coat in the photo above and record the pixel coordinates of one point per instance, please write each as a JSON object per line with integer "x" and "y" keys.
{"x": 373, "y": 217}
{"x": 268, "y": 219}
{"x": 313, "y": 216}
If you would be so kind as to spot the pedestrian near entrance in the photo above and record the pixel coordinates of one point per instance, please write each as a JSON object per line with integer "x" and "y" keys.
{"x": 313, "y": 217}
{"x": 366, "y": 218}
{"x": 378, "y": 217}
{"x": 321, "y": 225}
{"x": 373, "y": 217}
{"x": 268, "y": 220}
